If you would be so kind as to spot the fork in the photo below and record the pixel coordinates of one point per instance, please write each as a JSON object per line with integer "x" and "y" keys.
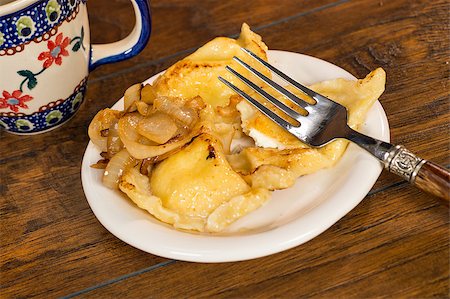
{"x": 326, "y": 121}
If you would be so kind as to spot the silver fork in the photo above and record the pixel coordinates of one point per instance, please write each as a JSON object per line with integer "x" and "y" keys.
{"x": 326, "y": 121}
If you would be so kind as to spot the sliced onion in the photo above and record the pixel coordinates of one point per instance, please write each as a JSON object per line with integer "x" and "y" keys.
{"x": 141, "y": 151}
{"x": 196, "y": 103}
{"x": 182, "y": 129}
{"x": 166, "y": 155}
{"x": 127, "y": 126}
{"x": 148, "y": 94}
{"x": 146, "y": 141}
{"x": 132, "y": 94}
{"x": 101, "y": 164}
{"x": 101, "y": 122}
{"x": 130, "y": 138}
{"x": 114, "y": 144}
{"x": 142, "y": 108}
{"x": 158, "y": 127}
{"x": 120, "y": 162}
{"x": 146, "y": 166}
{"x": 184, "y": 114}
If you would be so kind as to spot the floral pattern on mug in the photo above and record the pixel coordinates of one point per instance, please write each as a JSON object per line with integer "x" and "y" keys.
{"x": 47, "y": 116}
{"x": 55, "y": 51}
{"x": 14, "y": 101}
{"x": 45, "y": 51}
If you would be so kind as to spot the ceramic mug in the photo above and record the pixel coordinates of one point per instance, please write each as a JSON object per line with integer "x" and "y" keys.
{"x": 45, "y": 58}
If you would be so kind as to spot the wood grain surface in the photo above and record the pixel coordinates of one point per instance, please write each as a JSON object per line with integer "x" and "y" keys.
{"x": 434, "y": 179}
{"x": 394, "y": 244}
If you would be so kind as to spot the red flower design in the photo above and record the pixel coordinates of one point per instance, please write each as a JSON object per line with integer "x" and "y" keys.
{"x": 56, "y": 50}
{"x": 14, "y": 101}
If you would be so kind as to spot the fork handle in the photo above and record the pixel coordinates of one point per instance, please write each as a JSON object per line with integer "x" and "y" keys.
{"x": 423, "y": 174}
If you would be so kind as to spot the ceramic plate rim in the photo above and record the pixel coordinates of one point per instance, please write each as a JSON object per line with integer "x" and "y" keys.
{"x": 215, "y": 248}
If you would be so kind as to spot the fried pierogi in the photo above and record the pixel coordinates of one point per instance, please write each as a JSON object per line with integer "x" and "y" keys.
{"x": 170, "y": 151}
{"x": 196, "y": 75}
{"x": 194, "y": 189}
{"x": 357, "y": 96}
{"x": 276, "y": 147}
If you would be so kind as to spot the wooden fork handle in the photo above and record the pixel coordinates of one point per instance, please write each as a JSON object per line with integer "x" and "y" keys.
{"x": 433, "y": 179}
{"x": 425, "y": 175}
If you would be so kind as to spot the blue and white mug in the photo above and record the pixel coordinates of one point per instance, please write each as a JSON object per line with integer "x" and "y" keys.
{"x": 45, "y": 58}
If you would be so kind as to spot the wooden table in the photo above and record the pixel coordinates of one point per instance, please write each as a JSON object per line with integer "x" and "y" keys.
{"x": 394, "y": 244}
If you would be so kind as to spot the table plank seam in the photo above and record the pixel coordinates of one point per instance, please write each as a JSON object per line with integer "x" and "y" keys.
{"x": 192, "y": 49}
{"x": 120, "y": 278}
{"x": 390, "y": 186}
{"x": 301, "y": 14}
{"x": 384, "y": 188}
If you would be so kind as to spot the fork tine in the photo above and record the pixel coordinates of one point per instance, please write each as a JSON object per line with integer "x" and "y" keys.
{"x": 286, "y": 109}
{"x": 274, "y": 85}
{"x": 285, "y": 77}
{"x": 266, "y": 111}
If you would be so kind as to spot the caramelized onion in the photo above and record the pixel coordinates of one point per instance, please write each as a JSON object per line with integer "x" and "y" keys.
{"x": 120, "y": 162}
{"x": 114, "y": 144}
{"x": 101, "y": 164}
{"x": 146, "y": 141}
{"x": 141, "y": 151}
{"x": 148, "y": 95}
{"x": 196, "y": 103}
{"x": 101, "y": 122}
{"x": 127, "y": 126}
{"x": 186, "y": 115}
{"x": 142, "y": 108}
{"x": 132, "y": 94}
{"x": 182, "y": 129}
{"x": 131, "y": 138}
{"x": 158, "y": 127}
{"x": 146, "y": 166}
{"x": 166, "y": 155}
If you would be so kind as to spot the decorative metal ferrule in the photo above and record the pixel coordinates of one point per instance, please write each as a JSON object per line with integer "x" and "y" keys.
{"x": 403, "y": 163}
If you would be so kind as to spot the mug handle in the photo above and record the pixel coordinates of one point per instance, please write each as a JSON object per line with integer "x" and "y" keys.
{"x": 128, "y": 47}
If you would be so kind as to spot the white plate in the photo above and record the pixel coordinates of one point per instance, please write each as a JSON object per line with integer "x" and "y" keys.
{"x": 292, "y": 217}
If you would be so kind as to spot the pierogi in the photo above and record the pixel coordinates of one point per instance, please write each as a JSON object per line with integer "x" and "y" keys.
{"x": 173, "y": 151}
